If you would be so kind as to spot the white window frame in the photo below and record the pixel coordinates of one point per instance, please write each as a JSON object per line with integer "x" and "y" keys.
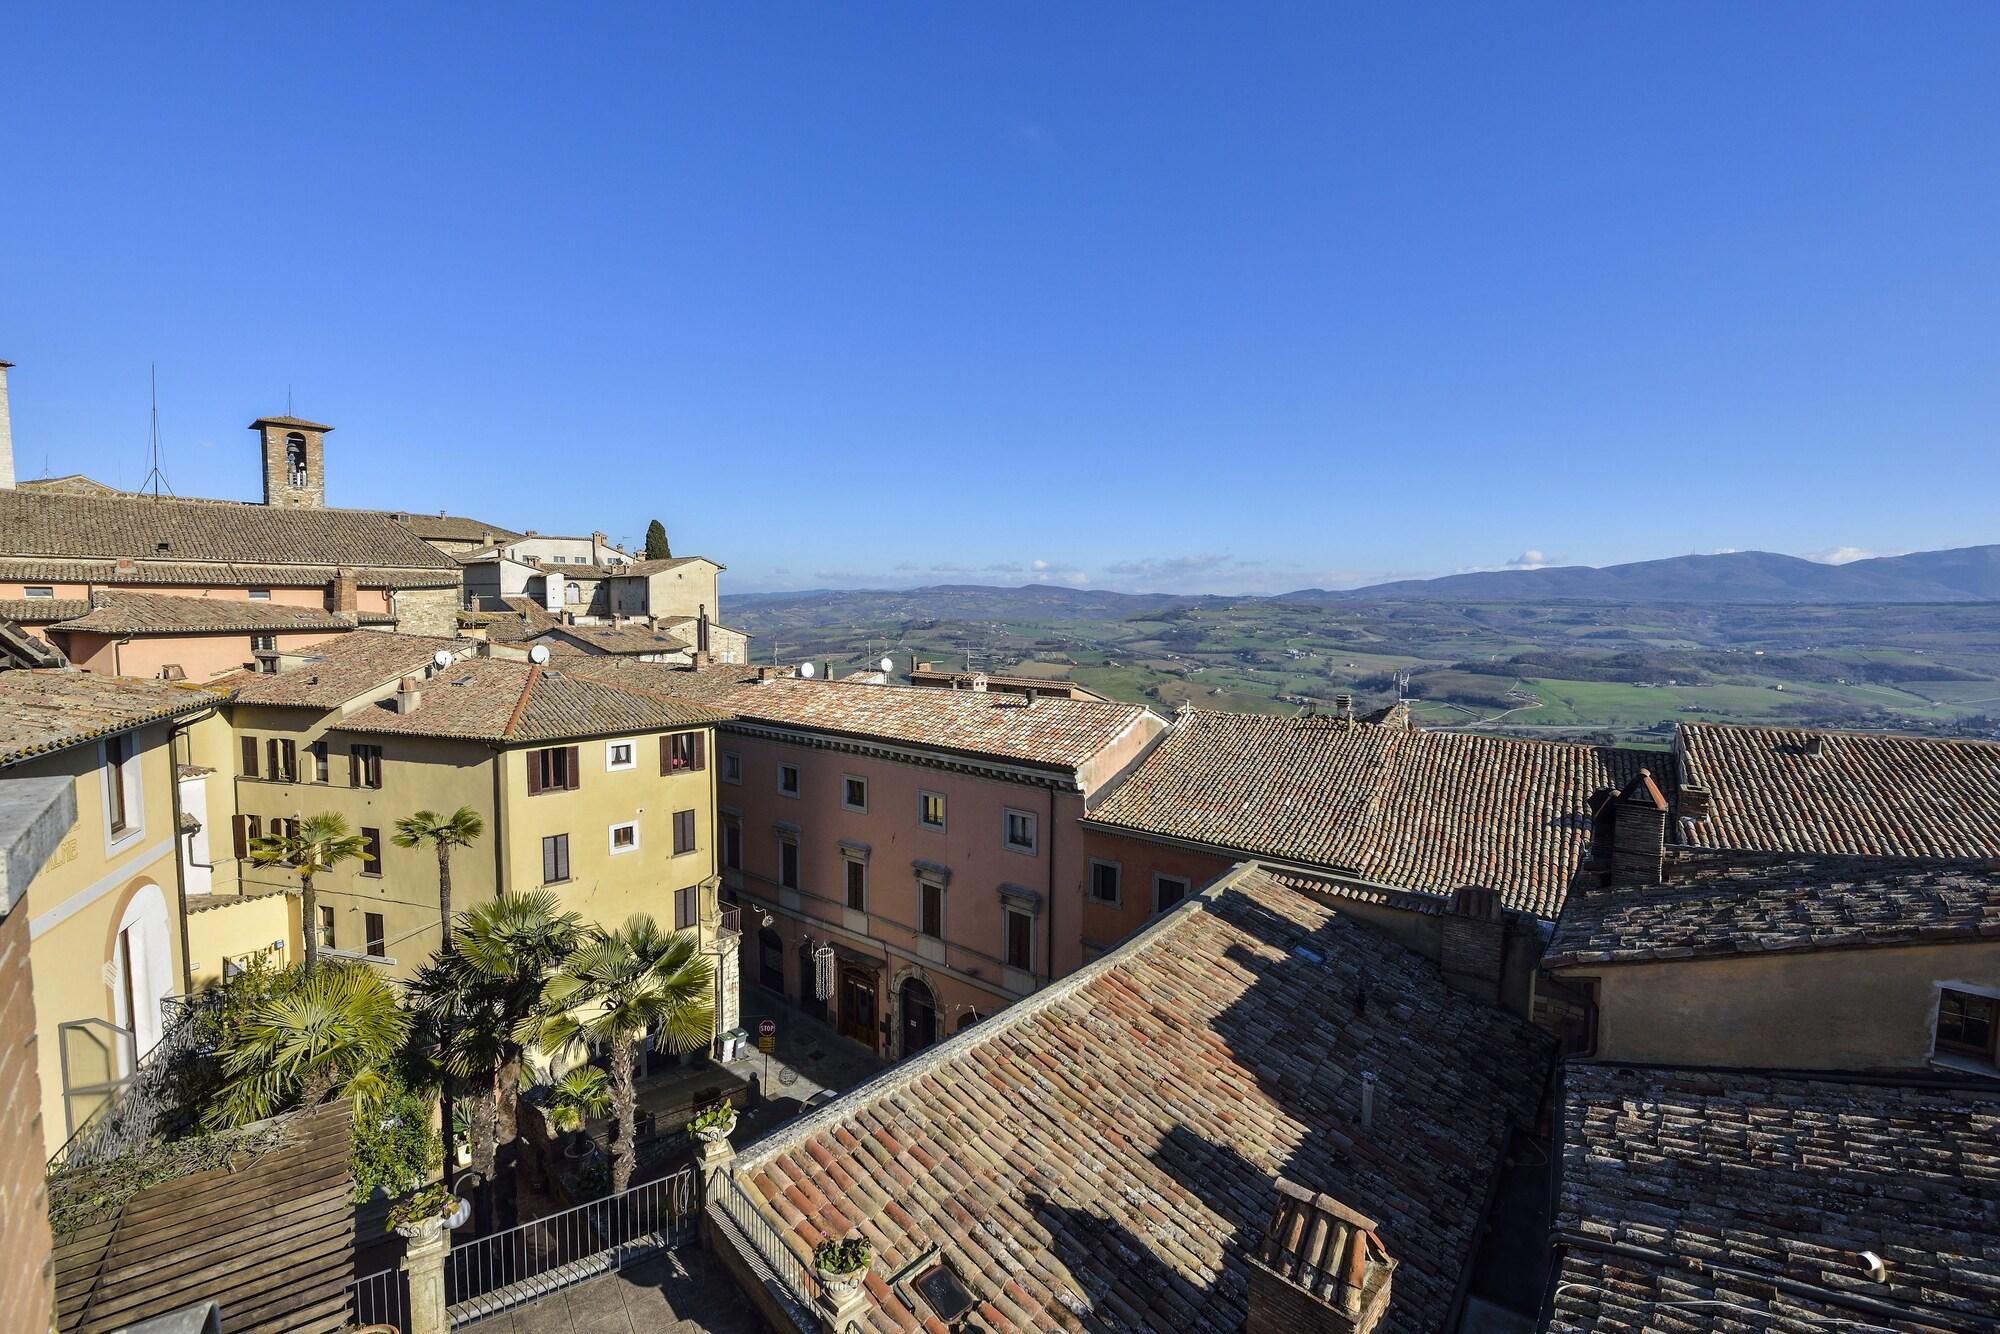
{"x": 1033, "y": 846}
{"x": 1161, "y": 878}
{"x": 612, "y": 765}
{"x": 135, "y": 792}
{"x": 798, "y": 781}
{"x": 611, "y": 838}
{"x": 944, "y": 809}
{"x": 847, "y": 805}
{"x": 1090, "y": 890}
{"x": 732, "y": 767}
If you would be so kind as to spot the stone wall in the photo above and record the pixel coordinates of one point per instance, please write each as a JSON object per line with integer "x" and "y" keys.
{"x": 26, "y": 1290}
{"x": 427, "y": 611}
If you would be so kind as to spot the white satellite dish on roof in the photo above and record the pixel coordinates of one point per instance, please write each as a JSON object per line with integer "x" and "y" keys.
{"x": 442, "y": 657}
{"x": 538, "y": 654}
{"x": 888, "y": 664}
{"x": 808, "y": 671}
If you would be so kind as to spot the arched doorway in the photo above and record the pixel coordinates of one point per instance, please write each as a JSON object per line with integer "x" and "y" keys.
{"x": 967, "y": 1020}
{"x": 810, "y": 1001}
{"x": 141, "y": 972}
{"x": 919, "y": 1005}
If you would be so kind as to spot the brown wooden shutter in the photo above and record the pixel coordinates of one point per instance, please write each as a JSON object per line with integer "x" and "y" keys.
{"x": 700, "y": 740}
{"x": 354, "y": 766}
{"x": 242, "y": 831}
{"x": 666, "y": 753}
{"x": 249, "y": 757}
{"x": 535, "y": 772}
{"x": 575, "y": 770}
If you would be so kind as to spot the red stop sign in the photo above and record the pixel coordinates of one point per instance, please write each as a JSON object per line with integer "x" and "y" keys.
{"x": 767, "y": 1028}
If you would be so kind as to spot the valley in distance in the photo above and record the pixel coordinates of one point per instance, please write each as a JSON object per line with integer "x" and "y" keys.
{"x": 1619, "y": 653}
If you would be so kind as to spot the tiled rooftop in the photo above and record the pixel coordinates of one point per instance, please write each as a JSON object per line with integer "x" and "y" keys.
{"x": 1857, "y": 793}
{"x": 42, "y": 611}
{"x": 498, "y": 700}
{"x": 45, "y": 711}
{"x": 235, "y": 574}
{"x": 1423, "y": 810}
{"x": 1795, "y": 904}
{"x": 452, "y": 528}
{"x": 1057, "y": 733}
{"x": 122, "y": 612}
{"x": 145, "y": 527}
{"x": 1740, "y": 1179}
{"x": 339, "y": 669}
{"x": 622, "y": 638}
{"x": 1102, "y": 1155}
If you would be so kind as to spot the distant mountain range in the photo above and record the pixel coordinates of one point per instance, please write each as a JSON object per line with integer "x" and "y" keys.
{"x": 1965, "y": 574}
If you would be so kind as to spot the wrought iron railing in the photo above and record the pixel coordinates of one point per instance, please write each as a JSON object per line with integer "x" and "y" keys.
{"x": 382, "y": 1298}
{"x": 729, "y": 922}
{"x": 793, "y": 1274}
{"x": 495, "y": 1273}
{"x": 148, "y": 1103}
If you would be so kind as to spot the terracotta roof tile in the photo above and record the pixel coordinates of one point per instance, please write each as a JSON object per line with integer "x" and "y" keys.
{"x": 122, "y": 612}
{"x": 42, "y": 611}
{"x": 1424, "y": 810}
{"x": 145, "y": 527}
{"x": 1103, "y": 1154}
{"x": 1793, "y": 904}
{"x": 1743, "y": 1178}
{"x": 44, "y": 711}
{"x": 1863, "y": 794}
{"x": 451, "y": 528}
{"x": 337, "y": 670}
{"x": 498, "y": 700}
{"x": 623, "y": 639}
{"x": 1054, "y": 733}
{"x": 222, "y": 573}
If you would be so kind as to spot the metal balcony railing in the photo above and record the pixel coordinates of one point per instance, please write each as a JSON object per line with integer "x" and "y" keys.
{"x": 145, "y": 1104}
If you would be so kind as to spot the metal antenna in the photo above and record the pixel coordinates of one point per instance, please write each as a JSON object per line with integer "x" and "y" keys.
{"x": 155, "y": 479}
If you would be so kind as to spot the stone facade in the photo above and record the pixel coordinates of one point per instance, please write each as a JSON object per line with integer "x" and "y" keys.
{"x": 294, "y": 462}
{"x": 427, "y": 611}
{"x": 26, "y": 1292}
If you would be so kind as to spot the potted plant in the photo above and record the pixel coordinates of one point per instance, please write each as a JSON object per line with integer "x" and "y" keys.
{"x": 714, "y": 1122}
{"x": 573, "y": 1099}
{"x": 461, "y": 1135}
{"x": 431, "y": 1209}
{"x": 842, "y": 1265}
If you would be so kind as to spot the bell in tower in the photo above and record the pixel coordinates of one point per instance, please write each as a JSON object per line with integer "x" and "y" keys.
{"x": 294, "y": 461}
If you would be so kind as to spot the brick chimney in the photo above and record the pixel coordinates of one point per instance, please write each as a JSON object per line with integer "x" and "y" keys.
{"x": 1320, "y": 1269}
{"x": 6, "y": 433}
{"x": 1628, "y": 833}
{"x": 408, "y": 697}
{"x": 1473, "y": 948}
{"x": 343, "y": 594}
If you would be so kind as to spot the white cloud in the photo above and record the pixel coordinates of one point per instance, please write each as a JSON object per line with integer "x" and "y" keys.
{"x": 1531, "y": 559}
{"x": 1842, "y": 555}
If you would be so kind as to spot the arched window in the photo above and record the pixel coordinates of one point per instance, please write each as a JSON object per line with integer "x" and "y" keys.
{"x": 141, "y": 970}
{"x": 295, "y": 459}
{"x": 920, "y": 1026}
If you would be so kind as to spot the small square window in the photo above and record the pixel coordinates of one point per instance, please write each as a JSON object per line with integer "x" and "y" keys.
{"x": 1967, "y": 1023}
{"x": 732, "y": 767}
{"x": 930, "y": 810}
{"x": 788, "y": 779}
{"x": 620, "y": 755}
{"x": 854, "y": 793}
{"x": 625, "y": 837}
{"x": 1104, "y": 881}
{"x": 1019, "y": 832}
{"x": 1168, "y": 890}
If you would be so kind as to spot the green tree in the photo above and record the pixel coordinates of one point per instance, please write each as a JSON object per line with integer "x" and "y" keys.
{"x": 656, "y": 542}
{"x": 614, "y": 989}
{"x": 332, "y": 1032}
{"x": 462, "y": 1036}
{"x": 312, "y": 847}
{"x": 461, "y": 829}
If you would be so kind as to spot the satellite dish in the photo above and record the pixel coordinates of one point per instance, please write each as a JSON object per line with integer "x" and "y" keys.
{"x": 888, "y": 664}
{"x": 538, "y": 654}
{"x": 442, "y": 657}
{"x": 808, "y": 671}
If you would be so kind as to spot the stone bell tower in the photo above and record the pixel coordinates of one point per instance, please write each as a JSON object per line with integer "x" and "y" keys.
{"x": 294, "y": 461}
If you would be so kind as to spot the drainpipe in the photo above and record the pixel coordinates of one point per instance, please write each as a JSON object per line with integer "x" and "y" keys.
{"x": 175, "y": 731}
{"x": 117, "y": 661}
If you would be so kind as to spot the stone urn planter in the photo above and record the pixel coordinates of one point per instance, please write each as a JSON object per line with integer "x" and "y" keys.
{"x": 842, "y": 1266}
{"x": 714, "y": 1125}
{"x": 428, "y": 1214}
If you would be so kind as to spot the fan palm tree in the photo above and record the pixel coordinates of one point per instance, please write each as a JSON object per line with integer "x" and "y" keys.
{"x": 508, "y": 948}
{"x": 460, "y": 829}
{"x": 331, "y": 1032}
{"x": 463, "y": 1037}
{"x": 613, "y": 990}
{"x": 312, "y": 847}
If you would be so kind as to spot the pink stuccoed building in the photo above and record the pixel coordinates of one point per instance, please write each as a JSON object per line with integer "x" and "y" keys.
{"x": 916, "y": 851}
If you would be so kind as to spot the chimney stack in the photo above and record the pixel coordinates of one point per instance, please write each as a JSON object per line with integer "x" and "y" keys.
{"x": 1472, "y": 947}
{"x": 407, "y": 695}
{"x": 1320, "y": 1269}
{"x": 6, "y": 433}
{"x": 1628, "y": 833}
{"x": 343, "y": 595}
{"x": 701, "y": 630}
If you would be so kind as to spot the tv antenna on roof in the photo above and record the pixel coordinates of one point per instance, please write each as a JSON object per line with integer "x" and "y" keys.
{"x": 155, "y": 479}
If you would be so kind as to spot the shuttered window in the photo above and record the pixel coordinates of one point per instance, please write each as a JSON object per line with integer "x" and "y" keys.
{"x": 283, "y": 754}
{"x": 683, "y": 752}
{"x": 249, "y": 757}
{"x": 555, "y": 859}
{"x": 683, "y": 832}
{"x": 686, "y": 906}
{"x": 247, "y": 828}
{"x": 364, "y": 766}
{"x": 552, "y": 770}
{"x": 371, "y": 843}
{"x": 378, "y": 942}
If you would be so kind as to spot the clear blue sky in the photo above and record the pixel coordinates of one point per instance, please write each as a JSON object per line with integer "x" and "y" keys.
{"x": 1229, "y": 297}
